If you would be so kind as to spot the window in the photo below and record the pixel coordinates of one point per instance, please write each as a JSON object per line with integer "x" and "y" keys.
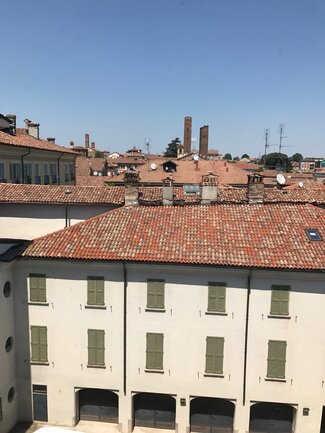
{"x": 15, "y": 172}
{"x": 214, "y": 355}
{"x": 39, "y": 343}
{"x": 95, "y": 291}
{"x": 276, "y": 359}
{"x": 217, "y": 297}
{"x": 2, "y": 170}
{"x": 156, "y": 294}
{"x": 37, "y": 288}
{"x": 28, "y": 172}
{"x": 313, "y": 235}
{"x": 280, "y": 300}
{"x": 96, "y": 347}
{"x": 11, "y": 394}
{"x": 9, "y": 344}
{"x": 155, "y": 351}
{"x": 7, "y": 289}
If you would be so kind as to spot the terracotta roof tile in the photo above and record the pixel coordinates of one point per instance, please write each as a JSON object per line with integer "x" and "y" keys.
{"x": 269, "y": 236}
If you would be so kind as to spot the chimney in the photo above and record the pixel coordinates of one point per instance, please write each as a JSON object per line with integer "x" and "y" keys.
{"x": 204, "y": 140}
{"x": 92, "y": 145}
{"x": 167, "y": 191}
{"x": 87, "y": 140}
{"x": 187, "y": 134}
{"x": 255, "y": 189}
{"x": 32, "y": 128}
{"x": 12, "y": 118}
{"x": 51, "y": 140}
{"x": 71, "y": 144}
{"x": 131, "y": 185}
{"x": 209, "y": 188}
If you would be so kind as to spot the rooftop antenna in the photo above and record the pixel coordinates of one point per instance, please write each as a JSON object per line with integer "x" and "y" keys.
{"x": 281, "y": 132}
{"x": 267, "y": 143}
{"x": 147, "y": 141}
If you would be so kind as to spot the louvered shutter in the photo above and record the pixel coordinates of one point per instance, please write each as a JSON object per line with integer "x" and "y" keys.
{"x": 100, "y": 291}
{"x": 280, "y": 300}
{"x": 91, "y": 347}
{"x": 219, "y": 345}
{"x": 91, "y": 291}
{"x": 35, "y": 343}
{"x": 100, "y": 343}
{"x": 43, "y": 343}
{"x": 150, "y": 352}
{"x": 37, "y": 288}
{"x": 159, "y": 349}
{"x": 217, "y": 297}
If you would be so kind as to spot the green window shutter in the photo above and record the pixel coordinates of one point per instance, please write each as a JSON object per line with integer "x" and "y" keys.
{"x": 37, "y": 288}
{"x": 95, "y": 291}
{"x": 214, "y": 355}
{"x": 96, "y": 347}
{"x": 39, "y": 343}
{"x": 43, "y": 343}
{"x": 276, "y": 359}
{"x": 35, "y": 343}
{"x": 91, "y": 347}
{"x": 280, "y": 300}
{"x": 156, "y": 294}
{"x": 217, "y": 297}
{"x": 155, "y": 351}
{"x": 100, "y": 342}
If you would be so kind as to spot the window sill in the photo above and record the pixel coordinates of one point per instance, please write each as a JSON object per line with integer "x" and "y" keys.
{"x": 214, "y": 375}
{"x": 216, "y": 313}
{"x": 274, "y": 379}
{"x": 95, "y": 307}
{"x": 278, "y": 316}
{"x": 151, "y": 370}
{"x": 39, "y": 363}
{"x": 155, "y": 310}
{"x": 96, "y": 366}
{"x": 45, "y": 304}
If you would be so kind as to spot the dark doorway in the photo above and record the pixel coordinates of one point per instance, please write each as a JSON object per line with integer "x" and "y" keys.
{"x": 98, "y": 405}
{"x": 271, "y": 418}
{"x": 40, "y": 402}
{"x": 154, "y": 410}
{"x": 212, "y": 415}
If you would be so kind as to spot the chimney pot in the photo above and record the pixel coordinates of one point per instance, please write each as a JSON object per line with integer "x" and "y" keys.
{"x": 168, "y": 190}
{"x": 209, "y": 188}
{"x": 51, "y": 139}
{"x": 13, "y": 119}
{"x": 32, "y": 128}
{"x": 131, "y": 186}
{"x": 255, "y": 189}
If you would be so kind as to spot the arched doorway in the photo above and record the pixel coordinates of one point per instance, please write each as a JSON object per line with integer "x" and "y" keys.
{"x": 154, "y": 410}
{"x": 98, "y": 405}
{"x": 211, "y": 415}
{"x": 271, "y": 418}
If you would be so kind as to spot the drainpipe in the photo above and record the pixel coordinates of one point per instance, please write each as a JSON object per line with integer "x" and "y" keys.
{"x": 246, "y": 333}
{"x": 22, "y": 166}
{"x": 59, "y": 181}
{"x": 124, "y": 326}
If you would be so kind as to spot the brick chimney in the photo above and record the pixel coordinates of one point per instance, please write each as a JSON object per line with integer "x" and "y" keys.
{"x": 51, "y": 139}
{"x": 168, "y": 191}
{"x": 86, "y": 140}
{"x": 131, "y": 186}
{"x": 13, "y": 119}
{"x": 255, "y": 189}
{"x": 32, "y": 128}
{"x": 209, "y": 188}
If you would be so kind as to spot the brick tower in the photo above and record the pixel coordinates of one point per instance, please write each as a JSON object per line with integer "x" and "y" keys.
{"x": 187, "y": 134}
{"x": 204, "y": 140}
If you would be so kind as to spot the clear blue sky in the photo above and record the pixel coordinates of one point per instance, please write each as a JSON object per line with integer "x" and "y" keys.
{"x": 124, "y": 70}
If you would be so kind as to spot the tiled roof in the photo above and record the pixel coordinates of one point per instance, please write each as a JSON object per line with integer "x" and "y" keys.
{"x": 23, "y": 139}
{"x": 271, "y": 237}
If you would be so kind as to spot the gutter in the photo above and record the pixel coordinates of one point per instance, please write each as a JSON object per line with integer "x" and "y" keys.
{"x": 59, "y": 177}
{"x": 246, "y": 333}
{"x": 22, "y": 166}
{"x": 124, "y": 325}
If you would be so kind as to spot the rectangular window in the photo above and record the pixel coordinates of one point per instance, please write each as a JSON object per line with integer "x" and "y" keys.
{"x": 217, "y": 297}
{"x": 95, "y": 291}
{"x": 214, "y": 355}
{"x": 155, "y": 351}
{"x": 280, "y": 300}
{"x": 15, "y": 172}
{"x": 96, "y": 347}
{"x": 39, "y": 343}
{"x": 276, "y": 359}
{"x": 156, "y": 294}
{"x": 37, "y": 288}
{"x": 2, "y": 170}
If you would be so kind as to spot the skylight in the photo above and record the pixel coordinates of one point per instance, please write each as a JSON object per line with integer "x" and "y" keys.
{"x": 313, "y": 235}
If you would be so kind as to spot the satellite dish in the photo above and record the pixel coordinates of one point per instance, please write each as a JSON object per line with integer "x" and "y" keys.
{"x": 153, "y": 166}
{"x": 99, "y": 174}
{"x": 301, "y": 184}
{"x": 95, "y": 173}
{"x": 280, "y": 179}
{"x": 196, "y": 157}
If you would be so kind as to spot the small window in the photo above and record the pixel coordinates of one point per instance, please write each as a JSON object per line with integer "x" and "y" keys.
{"x": 7, "y": 289}
{"x": 39, "y": 343}
{"x": 217, "y": 297}
{"x": 276, "y": 359}
{"x": 37, "y": 288}
{"x": 280, "y": 300}
{"x": 191, "y": 189}
{"x": 9, "y": 344}
{"x": 156, "y": 294}
{"x": 95, "y": 291}
{"x": 313, "y": 235}
{"x": 96, "y": 347}
{"x": 155, "y": 351}
{"x": 214, "y": 355}
{"x": 11, "y": 394}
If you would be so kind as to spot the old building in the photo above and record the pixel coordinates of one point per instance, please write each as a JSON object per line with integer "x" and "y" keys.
{"x": 204, "y": 141}
{"x": 187, "y": 134}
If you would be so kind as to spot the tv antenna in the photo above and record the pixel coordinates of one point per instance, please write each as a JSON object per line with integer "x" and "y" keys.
{"x": 281, "y": 132}
{"x": 147, "y": 144}
{"x": 267, "y": 143}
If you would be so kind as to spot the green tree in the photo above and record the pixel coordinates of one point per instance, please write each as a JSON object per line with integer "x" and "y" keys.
{"x": 245, "y": 156}
{"x": 277, "y": 161}
{"x": 171, "y": 149}
{"x": 297, "y": 157}
{"x": 228, "y": 156}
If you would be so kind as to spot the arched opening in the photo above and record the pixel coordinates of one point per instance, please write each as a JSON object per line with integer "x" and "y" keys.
{"x": 154, "y": 410}
{"x": 98, "y": 405}
{"x": 211, "y": 415}
{"x": 271, "y": 418}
